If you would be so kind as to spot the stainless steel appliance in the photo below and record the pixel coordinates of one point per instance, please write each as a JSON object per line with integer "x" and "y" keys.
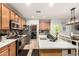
{"x": 14, "y": 24}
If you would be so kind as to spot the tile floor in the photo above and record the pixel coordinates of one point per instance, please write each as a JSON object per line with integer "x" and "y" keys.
{"x": 32, "y": 47}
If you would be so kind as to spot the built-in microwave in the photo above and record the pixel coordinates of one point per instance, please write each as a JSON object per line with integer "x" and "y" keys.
{"x": 14, "y": 24}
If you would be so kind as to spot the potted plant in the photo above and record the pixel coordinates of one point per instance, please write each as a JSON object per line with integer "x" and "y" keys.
{"x": 57, "y": 30}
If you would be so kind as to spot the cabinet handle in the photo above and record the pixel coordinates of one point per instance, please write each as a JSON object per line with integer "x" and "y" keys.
{"x": 69, "y": 51}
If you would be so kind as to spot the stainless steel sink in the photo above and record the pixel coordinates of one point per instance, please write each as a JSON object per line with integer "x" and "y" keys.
{"x": 42, "y": 38}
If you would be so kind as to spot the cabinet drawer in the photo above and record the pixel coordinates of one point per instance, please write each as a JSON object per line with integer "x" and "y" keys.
{"x": 4, "y": 53}
{"x": 3, "y": 48}
{"x": 50, "y": 52}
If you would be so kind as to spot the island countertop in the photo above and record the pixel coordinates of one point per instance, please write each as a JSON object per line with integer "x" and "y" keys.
{"x": 58, "y": 44}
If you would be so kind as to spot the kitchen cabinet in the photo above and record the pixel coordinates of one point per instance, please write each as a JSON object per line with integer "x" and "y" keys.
{"x": 4, "y": 51}
{"x": 57, "y": 52}
{"x": 12, "y": 49}
{"x": 12, "y": 15}
{"x": 0, "y": 16}
{"x": 7, "y": 14}
{"x": 8, "y": 50}
{"x": 16, "y": 18}
{"x": 50, "y": 52}
{"x": 68, "y": 52}
{"x": 44, "y": 25}
{"x": 20, "y": 23}
{"x": 5, "y": 17}
{"x": 23, "y": 23}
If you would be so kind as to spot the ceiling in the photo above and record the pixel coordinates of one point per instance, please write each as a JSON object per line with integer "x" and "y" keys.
{"x": 58, "y": 11}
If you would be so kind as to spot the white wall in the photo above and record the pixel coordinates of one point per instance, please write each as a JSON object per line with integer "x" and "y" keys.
{"x": 34, "y": 22}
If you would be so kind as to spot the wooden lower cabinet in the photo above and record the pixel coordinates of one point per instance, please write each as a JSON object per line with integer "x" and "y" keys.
{"x": 50, "y": 52}
{"x": 12, "y": 49}
{"x": 4, "y": 51}
{"x": 57, "y": 52}
{"x": 9, "y": 50}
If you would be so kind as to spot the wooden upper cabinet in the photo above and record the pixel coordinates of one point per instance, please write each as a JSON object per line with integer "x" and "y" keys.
{"x": 16, "y": 18}
{"x": 44, "y": 25}
{"x": 0, "y": 16}
{"x": 20, "y": 23}
{"x": 5, "y": 17}
{"x": 12, "y": 15}
{"x": 24, "y": 22}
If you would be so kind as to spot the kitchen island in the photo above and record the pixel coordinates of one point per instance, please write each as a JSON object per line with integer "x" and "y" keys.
{"x": 57, "y": 48}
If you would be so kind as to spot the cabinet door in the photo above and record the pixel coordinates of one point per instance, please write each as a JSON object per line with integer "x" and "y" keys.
{"x": 51, "y": 52}
{"x": 16, "y": 18}
{"x": 4, "y": 53}
{"x": 8, "y": 19}
{"x": 12, "y": 15}
{"x": 5, "y": 17}
{"x": 24, "y": 22}
{"x": 44, "y": 25}
{"x": 0, "y": 16}
{"x": 20, "y": 23}
{"x": 68, "y": 52}
{"x": 13, "y": 49}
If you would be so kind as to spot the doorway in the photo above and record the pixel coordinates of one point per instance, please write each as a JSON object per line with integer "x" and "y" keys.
{"x": 33, "y": 30}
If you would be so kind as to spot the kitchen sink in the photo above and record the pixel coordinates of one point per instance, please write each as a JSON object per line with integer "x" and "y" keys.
{"x": 42, "y": 38}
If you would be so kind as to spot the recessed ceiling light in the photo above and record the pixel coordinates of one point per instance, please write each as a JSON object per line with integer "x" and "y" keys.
{"x": 51, "y": 4}
{"x": 28, "y": 4}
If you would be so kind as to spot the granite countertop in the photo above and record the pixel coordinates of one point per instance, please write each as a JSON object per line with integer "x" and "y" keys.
{"x": 6, "y": 41}
{"x": 59, "y": 44}
{"x": 67, "y": 36}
